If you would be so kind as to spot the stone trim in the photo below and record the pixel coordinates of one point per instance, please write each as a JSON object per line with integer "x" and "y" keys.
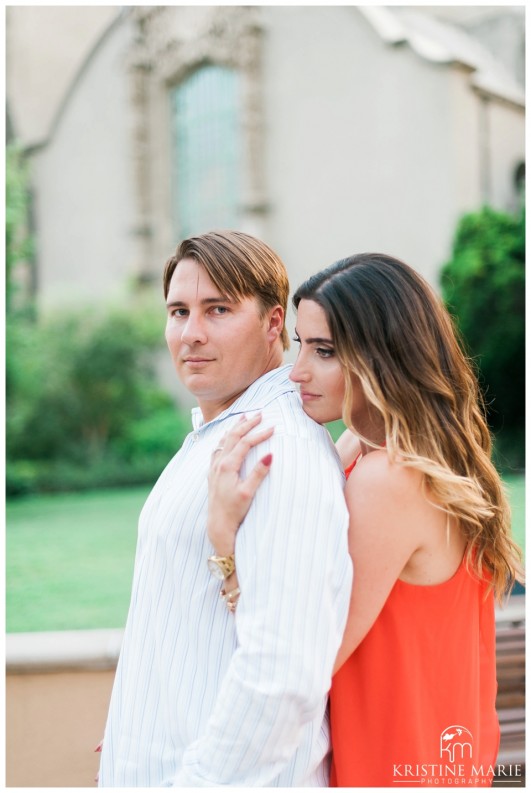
{"x": 61, "y": 650}
{"x": 99, "y": 649}
{"x": 170, "y": 42}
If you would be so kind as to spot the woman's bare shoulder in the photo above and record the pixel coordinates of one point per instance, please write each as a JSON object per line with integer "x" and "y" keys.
{"x": 389, "y": 501}
{"x": 377, "y": 473}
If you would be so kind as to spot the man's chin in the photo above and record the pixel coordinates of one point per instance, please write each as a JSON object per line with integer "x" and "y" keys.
{"x": 192, "y": 380}
{"x": 197, "y": 390}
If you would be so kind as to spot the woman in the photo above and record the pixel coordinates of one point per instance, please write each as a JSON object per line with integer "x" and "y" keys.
{"x": 413, "y": 697}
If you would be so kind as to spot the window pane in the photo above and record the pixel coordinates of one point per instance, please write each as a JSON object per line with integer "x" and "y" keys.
{"x": 206, "y": 151}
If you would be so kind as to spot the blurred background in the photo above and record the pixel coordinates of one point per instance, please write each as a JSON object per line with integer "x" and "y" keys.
{"x": 323, "y": 130}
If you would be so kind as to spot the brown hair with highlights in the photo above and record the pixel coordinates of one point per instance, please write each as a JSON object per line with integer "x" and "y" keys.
{"x": 392, "y": 331}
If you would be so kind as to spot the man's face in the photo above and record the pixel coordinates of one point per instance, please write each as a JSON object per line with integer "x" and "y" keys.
{"x": 219, "y": 347}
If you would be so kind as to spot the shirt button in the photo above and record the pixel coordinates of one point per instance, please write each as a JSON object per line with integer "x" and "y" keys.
{"x": 195, "y": 436}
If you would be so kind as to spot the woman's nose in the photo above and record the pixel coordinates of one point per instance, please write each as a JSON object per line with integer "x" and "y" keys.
{"x": 299, "y": 373}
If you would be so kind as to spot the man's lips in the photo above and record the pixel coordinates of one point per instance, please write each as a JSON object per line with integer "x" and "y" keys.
{"x": 194, "y": 360}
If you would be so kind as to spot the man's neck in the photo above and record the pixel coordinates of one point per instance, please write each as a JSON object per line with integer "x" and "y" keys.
{"x": 212, "y": 409}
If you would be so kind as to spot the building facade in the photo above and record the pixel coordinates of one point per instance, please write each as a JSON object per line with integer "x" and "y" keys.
{"x": 324, "y": 130}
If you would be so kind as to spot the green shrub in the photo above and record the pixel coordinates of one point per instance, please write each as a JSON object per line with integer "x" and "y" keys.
{"x": 159, "y": 434}
{"x": 61, "y": 476}
{"x": 22, "y": 477}
{"x": 83, "y": 405}
{"x": 483, "y": 286}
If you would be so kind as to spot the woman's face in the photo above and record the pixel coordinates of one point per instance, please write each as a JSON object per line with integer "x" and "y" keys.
{"x": 317, "y": 370}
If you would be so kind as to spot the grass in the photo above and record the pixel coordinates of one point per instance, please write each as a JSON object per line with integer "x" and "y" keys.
{"x": 70, "y": 557}
{"x": 515, "y": 484}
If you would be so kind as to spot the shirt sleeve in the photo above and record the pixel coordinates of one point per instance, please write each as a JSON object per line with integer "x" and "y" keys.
{"x": 295, "y": 575}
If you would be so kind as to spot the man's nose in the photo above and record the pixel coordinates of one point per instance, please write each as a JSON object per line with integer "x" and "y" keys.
{"x": 194, "y": 331}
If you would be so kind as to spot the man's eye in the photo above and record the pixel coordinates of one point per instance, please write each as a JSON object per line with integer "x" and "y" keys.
{"x": 220, "y": 310}
{"x": 179, "y": 312}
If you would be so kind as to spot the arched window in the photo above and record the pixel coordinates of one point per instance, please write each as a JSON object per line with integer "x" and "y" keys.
{"x": 519, "y": 182}
{"x": 206, "y": 157}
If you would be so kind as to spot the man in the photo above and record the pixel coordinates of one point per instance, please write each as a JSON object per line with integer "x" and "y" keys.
{"x": 204, "y": 695}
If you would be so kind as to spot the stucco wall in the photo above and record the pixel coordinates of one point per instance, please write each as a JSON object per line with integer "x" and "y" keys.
{"x": 83, "y": 187}
{"x": 46, "y": 46}
{"x": 507, "y": 139}
{"x": 358, "y": 152}
{"x": 57, "y": 696}
{"x": 54, "y": 721}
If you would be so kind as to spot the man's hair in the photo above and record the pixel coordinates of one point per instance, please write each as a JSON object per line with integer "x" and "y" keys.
{"x": 240, "y": 266}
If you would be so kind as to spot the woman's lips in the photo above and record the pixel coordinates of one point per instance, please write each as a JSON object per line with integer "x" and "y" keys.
{"x": 307, "y": 397}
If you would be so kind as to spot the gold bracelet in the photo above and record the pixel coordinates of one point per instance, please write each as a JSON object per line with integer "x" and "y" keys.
{"x": 231, "y": 598}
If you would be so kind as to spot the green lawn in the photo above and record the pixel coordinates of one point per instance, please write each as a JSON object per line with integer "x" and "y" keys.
{"x": 70, "y": 557}
{"x": 515, "y": 484}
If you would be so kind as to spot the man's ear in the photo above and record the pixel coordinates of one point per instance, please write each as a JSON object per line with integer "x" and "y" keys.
{"x": 276, "y": 322}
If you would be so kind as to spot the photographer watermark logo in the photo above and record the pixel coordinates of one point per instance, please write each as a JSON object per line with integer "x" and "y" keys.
{"x": 456, "y": 764}
{"x": 456, "y": 744}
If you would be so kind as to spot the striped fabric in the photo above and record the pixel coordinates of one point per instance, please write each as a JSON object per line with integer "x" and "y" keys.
{"x": 203, "y": 697}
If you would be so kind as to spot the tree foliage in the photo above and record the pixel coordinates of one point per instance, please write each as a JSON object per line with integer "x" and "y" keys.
{"x": 484, "y": 288}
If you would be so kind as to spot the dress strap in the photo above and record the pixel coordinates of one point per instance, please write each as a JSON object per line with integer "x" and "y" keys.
{"x": 350, "y": 468}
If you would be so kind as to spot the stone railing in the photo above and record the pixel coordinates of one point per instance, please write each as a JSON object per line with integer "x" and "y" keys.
{"x": 58, "y": 689}
{"x": 57, "y": 695}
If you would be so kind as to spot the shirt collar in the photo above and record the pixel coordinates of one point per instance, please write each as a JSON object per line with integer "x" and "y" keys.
{"x": 259, "y": 394}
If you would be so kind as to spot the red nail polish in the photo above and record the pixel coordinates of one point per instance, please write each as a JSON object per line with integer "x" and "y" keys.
{"x": 267, "y": 459}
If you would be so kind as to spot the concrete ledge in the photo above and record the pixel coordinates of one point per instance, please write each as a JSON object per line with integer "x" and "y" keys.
{"x": 99, "y": 649}
{"x": 513, "y": 612}
{"x": 61, "y": 650}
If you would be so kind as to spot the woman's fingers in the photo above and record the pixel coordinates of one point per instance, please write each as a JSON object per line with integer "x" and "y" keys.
{"x": 257, "y": 476}
{"x": 229, "y": 495}
{"x": 233, "y": 446}
{"x": 235, "y": 458}
{"x": 240, "y": 429}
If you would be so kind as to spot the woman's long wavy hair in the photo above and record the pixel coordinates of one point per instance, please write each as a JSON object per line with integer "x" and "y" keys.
{"x": 391, "y": 330}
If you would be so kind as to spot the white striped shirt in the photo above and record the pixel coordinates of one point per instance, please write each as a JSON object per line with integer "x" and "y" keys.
{"x": 203, "y": 697}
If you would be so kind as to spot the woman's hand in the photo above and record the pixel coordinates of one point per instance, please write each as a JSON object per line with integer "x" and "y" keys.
{"x": 229, "y": 496}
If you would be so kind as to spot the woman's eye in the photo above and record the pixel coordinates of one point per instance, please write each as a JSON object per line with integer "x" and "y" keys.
{"x": 296, "y": 339}
{"x": 324, "y": 352}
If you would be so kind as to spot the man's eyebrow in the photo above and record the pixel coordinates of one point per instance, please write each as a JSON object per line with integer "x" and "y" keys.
{"x": 207, "y": 301}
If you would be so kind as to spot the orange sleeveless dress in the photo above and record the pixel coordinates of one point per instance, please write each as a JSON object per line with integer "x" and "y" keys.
{"x": 415, "y": 702}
